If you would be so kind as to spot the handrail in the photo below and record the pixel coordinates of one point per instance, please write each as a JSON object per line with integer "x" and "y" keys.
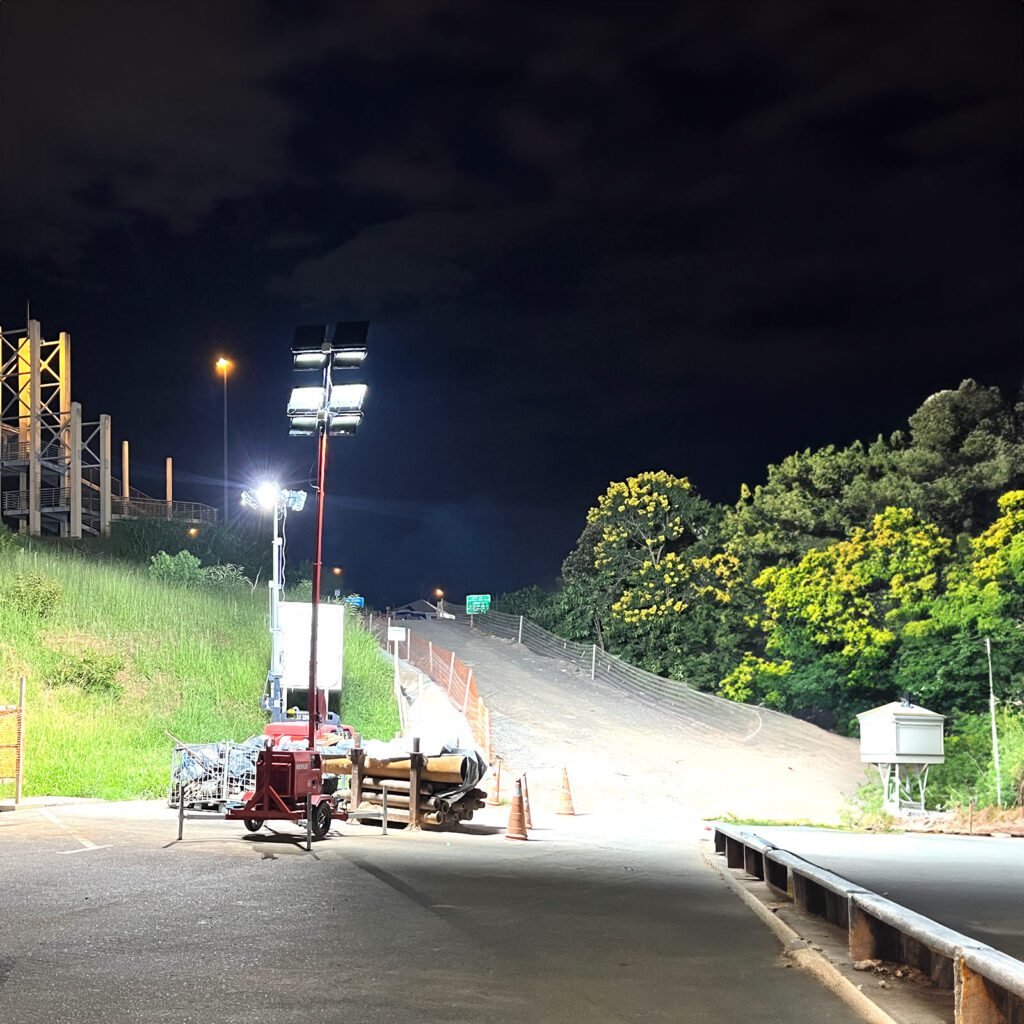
{"x": 983, "y": 979}
{"x": 51, "y": 498}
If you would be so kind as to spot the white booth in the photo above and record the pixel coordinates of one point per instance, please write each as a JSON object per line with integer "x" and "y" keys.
{"x": 903, "y": 741}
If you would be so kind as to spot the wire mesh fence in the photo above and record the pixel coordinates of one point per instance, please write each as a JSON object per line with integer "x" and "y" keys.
{"x": 699, "y": 707}
{"x": 449, "y": 673}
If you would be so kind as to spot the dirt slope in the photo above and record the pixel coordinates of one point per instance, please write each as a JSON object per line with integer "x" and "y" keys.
{"x": 629, "y": 754}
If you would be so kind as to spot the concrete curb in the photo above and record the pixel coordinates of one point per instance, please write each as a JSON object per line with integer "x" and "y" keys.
{"x": 796, "y": 949}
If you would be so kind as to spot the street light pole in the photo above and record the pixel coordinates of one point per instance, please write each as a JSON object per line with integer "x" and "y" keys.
{"x": 992, "y": 715}
{"x": 223, "y": 368}
{"x": 225, "y": 447}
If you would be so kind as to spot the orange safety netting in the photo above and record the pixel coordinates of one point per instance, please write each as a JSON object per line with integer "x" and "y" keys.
{"x": 10, "y": 743}
{"x": 455, "y": 678}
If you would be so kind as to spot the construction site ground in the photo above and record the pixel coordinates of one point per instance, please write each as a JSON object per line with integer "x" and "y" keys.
{"x": 612, "y": 915}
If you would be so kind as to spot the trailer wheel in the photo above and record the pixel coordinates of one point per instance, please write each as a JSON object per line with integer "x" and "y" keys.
{"x": 253, "y": 824}
{"x": 321, "y": 823}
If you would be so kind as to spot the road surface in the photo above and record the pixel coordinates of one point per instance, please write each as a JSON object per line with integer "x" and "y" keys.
{"x": 972, "y": 884}
{"x": 611, "y": 916}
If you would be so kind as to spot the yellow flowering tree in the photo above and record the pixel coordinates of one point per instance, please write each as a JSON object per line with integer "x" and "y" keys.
{"x": 836, "y": 618}
{"x": 647, "y": 559}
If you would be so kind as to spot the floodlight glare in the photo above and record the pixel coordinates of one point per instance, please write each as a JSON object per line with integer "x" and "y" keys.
{"x": 344, "y": 425}
{"x": 306, "y": 401}
{"x": 348, "y": 357}
{"x": 311, "y": 359}
{"x": 267, "y": 494}
{"x": 347, "y": 398}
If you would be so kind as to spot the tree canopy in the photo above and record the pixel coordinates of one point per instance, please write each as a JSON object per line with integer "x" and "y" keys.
{"x": 849, "y": 575}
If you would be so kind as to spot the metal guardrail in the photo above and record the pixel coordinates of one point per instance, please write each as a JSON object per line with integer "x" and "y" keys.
{"x": 53, "y": 499}
{"x": 154, "y": 508}
{"x": 50, "y": 499}
{"x": 21, "y": 451}
{"x": 987, "y": 985}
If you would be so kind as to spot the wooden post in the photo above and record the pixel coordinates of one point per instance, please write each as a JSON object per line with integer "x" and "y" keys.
{"x": 415, "y": 771}
{"x": 356, "y": 783}
{"x": 170, "y": 486}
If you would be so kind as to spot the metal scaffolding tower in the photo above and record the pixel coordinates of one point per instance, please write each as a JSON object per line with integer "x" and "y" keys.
{"x": 55, "y": 475}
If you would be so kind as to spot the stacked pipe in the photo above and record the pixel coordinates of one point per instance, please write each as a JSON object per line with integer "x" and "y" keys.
{"x": 444, "y": 786}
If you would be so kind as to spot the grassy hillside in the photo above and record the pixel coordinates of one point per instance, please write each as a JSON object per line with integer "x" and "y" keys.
{"x": 114, "y": 658}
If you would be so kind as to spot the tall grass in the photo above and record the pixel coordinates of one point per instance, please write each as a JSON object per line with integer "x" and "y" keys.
{"x": 193, "y": 663}
{"x": 368, "y": 696}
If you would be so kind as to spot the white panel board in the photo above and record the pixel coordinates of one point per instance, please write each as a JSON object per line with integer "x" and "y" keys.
{"x": 295, "y": 623}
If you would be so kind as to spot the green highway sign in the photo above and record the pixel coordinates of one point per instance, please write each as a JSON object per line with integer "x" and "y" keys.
{"x": 477, "y": 604}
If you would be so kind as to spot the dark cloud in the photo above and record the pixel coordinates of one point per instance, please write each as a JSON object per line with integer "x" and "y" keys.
{"x": 594, "y": 239}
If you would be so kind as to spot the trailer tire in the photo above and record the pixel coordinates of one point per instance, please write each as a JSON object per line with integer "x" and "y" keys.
{"x": 253, "y": 824}
{"x": 321, "y": 823}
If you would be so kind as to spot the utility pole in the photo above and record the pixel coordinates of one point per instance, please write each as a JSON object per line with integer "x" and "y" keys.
{"x": 992, "y": 715}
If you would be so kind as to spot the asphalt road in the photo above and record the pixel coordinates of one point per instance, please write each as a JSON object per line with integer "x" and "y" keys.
{"x": 972, "y": 884}
{"x": 105, "y": 918}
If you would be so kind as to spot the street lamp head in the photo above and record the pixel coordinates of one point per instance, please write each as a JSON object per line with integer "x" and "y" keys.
{"x": 438, "y": 592}
{"x": 337, "y": 570}
{"x": 224, "y": 365}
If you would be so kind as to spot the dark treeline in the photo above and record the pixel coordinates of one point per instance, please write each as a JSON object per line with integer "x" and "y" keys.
{"x": 848, "y": 577}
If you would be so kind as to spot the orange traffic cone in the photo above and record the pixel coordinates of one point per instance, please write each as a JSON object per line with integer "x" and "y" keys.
{"x": 494, "y": 796}
{"x": 517, "y": 819}
{"x": 526, "y": 803}
{"x": 565, "y": 800}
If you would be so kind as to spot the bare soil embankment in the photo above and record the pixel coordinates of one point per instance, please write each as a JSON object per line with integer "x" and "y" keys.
{"x": 630, "y": 755}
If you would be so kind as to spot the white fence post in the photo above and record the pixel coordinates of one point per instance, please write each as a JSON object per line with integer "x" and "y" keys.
{"x": 520, "y": 640}
{"x": 593, "y": 660}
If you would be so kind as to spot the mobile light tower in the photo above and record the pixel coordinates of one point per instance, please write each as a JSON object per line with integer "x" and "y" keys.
{"x": 289, "y": 783}
{"x": 270, "y": 497}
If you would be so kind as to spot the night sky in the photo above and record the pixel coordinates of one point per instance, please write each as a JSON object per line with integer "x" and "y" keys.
{"x": 593, "y": 239}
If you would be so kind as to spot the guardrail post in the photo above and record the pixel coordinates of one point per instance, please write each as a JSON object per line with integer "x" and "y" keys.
{"x": 733, "y": 852}
{"x": 777, "y": 875}
{"x": 753, "y": 862}
{"x": 868, "y": 937}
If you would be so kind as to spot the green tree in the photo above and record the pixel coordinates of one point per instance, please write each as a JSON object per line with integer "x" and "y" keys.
{"x": 966, "y": 448}
{"x": 962, "y": 449}
{"x": 943, "y": 660}
{"x": 838, "y": 614}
